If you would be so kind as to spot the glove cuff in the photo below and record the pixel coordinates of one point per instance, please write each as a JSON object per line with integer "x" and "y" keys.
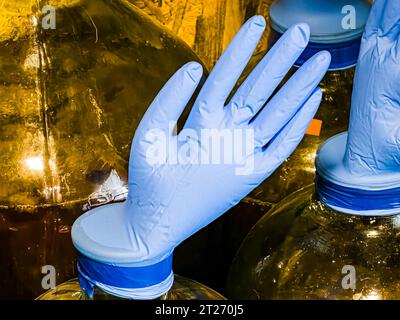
{"x": 363, "y": 195}
{"x": 139, "y": 283}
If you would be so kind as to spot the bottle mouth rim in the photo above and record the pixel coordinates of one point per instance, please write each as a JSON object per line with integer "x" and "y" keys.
{"x": 329, "y": 163}
{"x": 358, "y": 202}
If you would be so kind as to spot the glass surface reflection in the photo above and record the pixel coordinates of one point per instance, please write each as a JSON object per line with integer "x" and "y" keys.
{"x": 302, "y": 249}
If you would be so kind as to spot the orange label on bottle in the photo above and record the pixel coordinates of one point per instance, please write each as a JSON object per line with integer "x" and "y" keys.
{"x": 315, "y": 128}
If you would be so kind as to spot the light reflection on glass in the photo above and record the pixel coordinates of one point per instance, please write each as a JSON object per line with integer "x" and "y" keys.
{"x": 372, "y": 233}
{"x": 34, "y": 164}
{"x": 372, "y": 295}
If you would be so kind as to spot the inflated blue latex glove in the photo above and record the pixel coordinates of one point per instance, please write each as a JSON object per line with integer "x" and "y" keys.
{"x": 374, "y": 134}
{"x": 127, "y": 248}
{"x": 359, "y": 171}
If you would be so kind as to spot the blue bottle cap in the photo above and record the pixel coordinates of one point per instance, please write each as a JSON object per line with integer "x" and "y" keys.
{"x": 329, "y": 20}
{"x": 336, "y": 26}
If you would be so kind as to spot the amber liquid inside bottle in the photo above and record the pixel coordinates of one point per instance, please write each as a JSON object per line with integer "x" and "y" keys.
{"x": 71, "y": 99}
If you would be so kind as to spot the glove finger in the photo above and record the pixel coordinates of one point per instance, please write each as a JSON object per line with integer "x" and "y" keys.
{"x": 390, "y": 21}
{"x": 229, "y": 67}
{"x": 170, "y": 102}
{"x": 287, "y": 140}
{"x": 384, "y": 19}
{"x": 371, "y": 28}
{"x": 267, "y": 75}
{"x": 290, "y": 98}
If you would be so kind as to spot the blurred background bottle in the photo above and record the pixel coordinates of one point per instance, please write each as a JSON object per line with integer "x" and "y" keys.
{"x": 75, "y": 83}
{"x": 198, "y": 21}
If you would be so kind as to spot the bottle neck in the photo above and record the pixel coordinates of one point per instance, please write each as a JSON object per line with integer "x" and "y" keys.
{"x": 371, "y": 225}
{"x": 357, "y": 202}
{"x": 134, "y": 283}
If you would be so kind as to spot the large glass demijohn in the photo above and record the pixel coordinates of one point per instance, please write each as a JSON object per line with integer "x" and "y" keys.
{"x": 76, "y": 77}
{"x": 328, "y": 241}
{"x": 336, "y": 26}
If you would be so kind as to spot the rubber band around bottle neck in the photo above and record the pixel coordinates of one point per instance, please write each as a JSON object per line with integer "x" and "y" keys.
{"x": 357, "y": 201}
{"x": 344, "y": 54}
{"x": 91, "y": 273}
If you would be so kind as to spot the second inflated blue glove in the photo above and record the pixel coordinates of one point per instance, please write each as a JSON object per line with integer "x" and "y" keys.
{"x": 374, "y": 139}
{"x": 359, "y": 171}
{"x": 179, "y": 183}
